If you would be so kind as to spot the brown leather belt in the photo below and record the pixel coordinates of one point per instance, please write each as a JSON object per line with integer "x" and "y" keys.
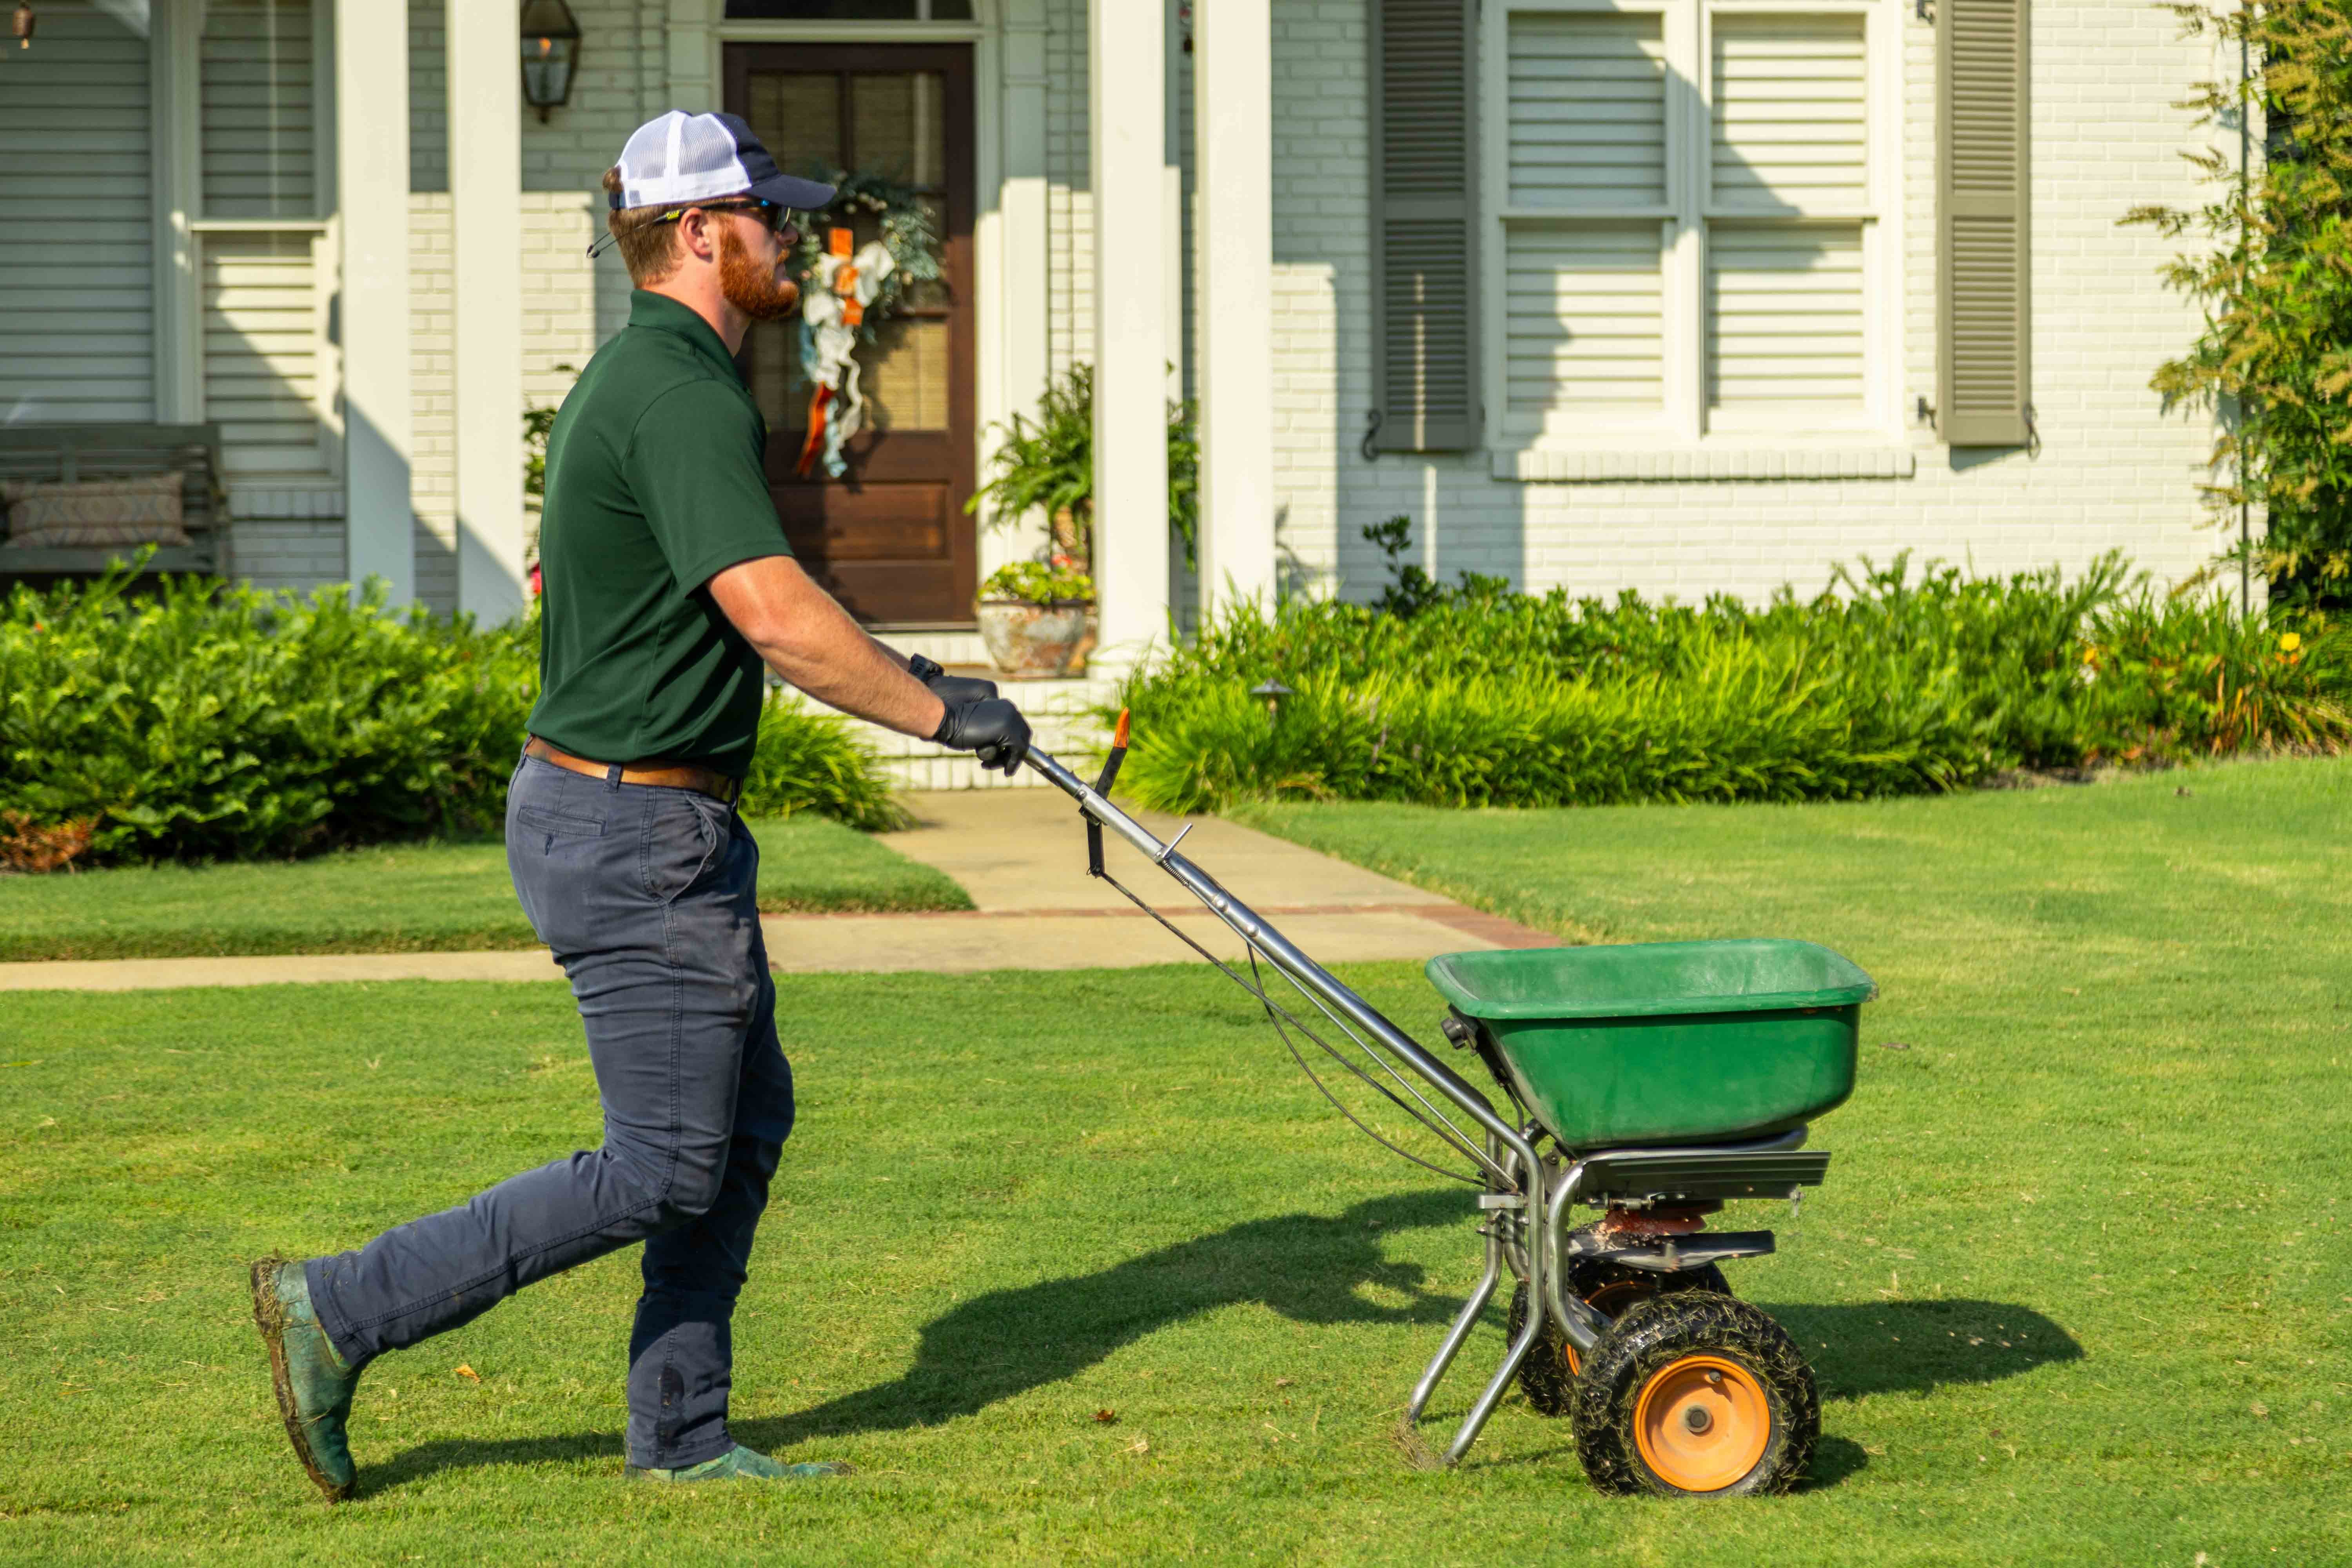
{"x": 661, "y": 776}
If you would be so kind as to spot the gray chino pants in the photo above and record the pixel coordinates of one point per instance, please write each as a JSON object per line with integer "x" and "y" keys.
{"x": 648, "y": 898}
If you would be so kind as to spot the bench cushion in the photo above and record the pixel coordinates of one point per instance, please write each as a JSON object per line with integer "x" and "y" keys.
{"x": 95, "y": 514}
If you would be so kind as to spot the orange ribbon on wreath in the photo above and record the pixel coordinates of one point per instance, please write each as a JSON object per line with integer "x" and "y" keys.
{"x": 837, "y": 243}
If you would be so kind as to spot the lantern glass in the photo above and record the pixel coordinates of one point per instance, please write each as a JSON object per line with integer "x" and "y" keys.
{"x": 547, "y": 71}
{"x": 550, "y": 51}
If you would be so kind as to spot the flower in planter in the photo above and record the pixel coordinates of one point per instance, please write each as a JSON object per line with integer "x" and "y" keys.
{"x": 1039, "y": 583}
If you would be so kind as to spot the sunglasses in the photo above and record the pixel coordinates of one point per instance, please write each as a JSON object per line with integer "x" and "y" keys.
{"x": 773, "y": 218}
{"x": 781, "y": 222}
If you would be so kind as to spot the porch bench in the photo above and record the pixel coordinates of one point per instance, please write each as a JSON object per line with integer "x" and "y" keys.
{"x": 72, "y": 454}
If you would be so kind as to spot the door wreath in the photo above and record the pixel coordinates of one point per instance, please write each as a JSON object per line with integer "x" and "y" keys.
{"x": 847, "y": 290}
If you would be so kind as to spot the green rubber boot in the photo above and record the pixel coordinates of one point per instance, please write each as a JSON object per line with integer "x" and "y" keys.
{"x": 314, "y": 1386}
{"x": 741, "y": 1464}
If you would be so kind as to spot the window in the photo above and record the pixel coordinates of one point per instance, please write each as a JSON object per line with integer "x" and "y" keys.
{"x": 1684, "y": 203}
{"x": 265, "y": 265}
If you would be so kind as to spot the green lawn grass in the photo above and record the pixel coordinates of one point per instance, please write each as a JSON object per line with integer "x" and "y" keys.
{"x": 2076, "y": 1289}
{"x": 404, "y": 898}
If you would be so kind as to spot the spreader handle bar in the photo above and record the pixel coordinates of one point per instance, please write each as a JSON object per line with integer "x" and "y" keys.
{"x": 1582, "y": 1331}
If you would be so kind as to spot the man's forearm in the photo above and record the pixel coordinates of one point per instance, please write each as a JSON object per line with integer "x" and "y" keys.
{"x": 857, "y": 675}
{"x": 806, "y": 638}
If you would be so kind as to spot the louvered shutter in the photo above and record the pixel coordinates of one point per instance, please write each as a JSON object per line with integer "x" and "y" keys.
{"x": 1985, "y": 312}
{"x": 1425, "y": 225}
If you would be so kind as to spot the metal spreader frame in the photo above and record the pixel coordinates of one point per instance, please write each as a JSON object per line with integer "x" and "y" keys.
{"x": 1528, "y": 1201}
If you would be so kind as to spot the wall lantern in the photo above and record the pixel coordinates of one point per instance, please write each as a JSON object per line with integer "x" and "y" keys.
{"x": 22, "y": 24}
{"x": 550, "y": 54}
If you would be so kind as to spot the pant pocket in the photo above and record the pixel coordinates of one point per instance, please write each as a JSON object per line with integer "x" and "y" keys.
{"x": 553, "y": 855}
{"x": 684, "y": 835}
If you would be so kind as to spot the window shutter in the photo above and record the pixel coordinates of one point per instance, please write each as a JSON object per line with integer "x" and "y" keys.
{"x": 1424, "y": 189}
{"x": 1985, "y": 313}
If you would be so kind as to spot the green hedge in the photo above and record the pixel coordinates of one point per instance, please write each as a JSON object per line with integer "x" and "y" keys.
{"x": 215, "y": 723}
{"x": 1884, "y": 684}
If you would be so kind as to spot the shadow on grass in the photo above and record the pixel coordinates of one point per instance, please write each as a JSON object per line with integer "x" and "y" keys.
{"x": 1311, "y": 1268}
{"x": 1916, "y": 1347}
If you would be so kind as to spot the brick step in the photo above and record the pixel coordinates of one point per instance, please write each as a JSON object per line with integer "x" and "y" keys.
{"x": 948, "y": 647}
{"x": 1060, "y": 716}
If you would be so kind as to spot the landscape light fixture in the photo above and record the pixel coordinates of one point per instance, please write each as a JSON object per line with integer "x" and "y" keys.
{"x": 1271, "y": 690}
{"x": 550, "y": 54}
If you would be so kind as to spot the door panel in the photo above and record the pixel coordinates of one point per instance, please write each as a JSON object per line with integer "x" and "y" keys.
{"x": 890, "y": 538}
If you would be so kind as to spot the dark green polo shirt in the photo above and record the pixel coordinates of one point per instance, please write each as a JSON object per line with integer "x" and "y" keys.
{"x": 654, "y": 485}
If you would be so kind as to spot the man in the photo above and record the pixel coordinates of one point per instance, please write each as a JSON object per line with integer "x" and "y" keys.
{"x": 668, "y": 584}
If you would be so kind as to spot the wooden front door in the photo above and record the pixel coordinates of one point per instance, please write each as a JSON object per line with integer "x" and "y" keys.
{"x": 891, "y": 537}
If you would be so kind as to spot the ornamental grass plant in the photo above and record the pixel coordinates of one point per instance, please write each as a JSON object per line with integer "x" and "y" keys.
{"x": 1887, "y": 682}
{"x": 214, "y": 722}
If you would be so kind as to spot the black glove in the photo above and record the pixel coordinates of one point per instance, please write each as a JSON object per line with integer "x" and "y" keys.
{"x": 948, "y": 688}
{"x": 990, "y": 726}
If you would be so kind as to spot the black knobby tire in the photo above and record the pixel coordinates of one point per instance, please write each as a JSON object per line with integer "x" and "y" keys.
{"x": 1548, "y": 1376}
{"x": 1664, "y": 1339}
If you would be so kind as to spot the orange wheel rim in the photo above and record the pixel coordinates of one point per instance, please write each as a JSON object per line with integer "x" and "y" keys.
{"x": 1702, "y": 1423}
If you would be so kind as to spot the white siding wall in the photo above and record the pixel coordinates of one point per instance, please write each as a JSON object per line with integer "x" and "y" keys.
{"x": 264, "y": 337}
{"x": 259, "y": 152}
{"x": 77, "y": 289}
{"x": 2113, "y": 470}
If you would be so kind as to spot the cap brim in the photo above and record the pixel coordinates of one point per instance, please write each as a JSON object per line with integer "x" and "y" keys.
{"x": 788, "y": 191}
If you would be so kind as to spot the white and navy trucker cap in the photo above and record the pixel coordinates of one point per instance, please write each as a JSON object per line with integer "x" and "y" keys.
{"x": 682, "y": 157}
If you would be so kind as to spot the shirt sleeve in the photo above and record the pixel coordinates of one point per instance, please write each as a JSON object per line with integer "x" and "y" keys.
{"x": 695, "y": 464}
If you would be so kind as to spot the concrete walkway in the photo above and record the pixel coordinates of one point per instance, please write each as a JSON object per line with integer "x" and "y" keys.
{"x": 1022, "y": 856}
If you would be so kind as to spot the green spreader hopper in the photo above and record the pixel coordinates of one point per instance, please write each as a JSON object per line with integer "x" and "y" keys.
{"x": 1665, "y": 1041}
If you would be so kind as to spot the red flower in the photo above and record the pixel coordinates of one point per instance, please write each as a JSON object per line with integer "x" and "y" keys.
{"x": 537, "y": 588}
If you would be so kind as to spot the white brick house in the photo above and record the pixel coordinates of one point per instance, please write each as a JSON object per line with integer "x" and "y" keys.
{"x": 1695, "y": 299}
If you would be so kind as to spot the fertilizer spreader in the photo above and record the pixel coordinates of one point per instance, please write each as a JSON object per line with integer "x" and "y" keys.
{"x": 1653, "y": 1083}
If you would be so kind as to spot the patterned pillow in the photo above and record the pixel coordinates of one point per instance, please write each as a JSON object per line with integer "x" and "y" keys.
{"x": 95, "y": 514}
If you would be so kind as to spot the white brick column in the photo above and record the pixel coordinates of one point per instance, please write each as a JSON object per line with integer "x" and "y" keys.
{"x": 485, "y": 214}
{"x": 1232, "y": 120}
{"x": 372, "y": 200}
{"x": 1128, "y": 131}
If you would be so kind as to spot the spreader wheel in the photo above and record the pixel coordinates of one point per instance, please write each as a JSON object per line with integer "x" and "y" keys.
{"x": 1548, "y": 1377}
{"x": 1696, "y": 1394}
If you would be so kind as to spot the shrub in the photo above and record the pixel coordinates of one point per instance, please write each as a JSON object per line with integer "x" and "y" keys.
{"x": 814, "y": 760}
{"x": 2274, "y": 289}
{"x": 1883, "y": 684}
{"x": 213, "y": 722}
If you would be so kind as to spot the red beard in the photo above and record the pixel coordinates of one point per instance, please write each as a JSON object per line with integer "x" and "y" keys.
{"x": 750, "y": 288}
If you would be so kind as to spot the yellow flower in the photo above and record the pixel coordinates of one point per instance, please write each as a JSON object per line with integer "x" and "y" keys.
{"x": 2290, "y": 642}
{"x": 2090, "y": 656}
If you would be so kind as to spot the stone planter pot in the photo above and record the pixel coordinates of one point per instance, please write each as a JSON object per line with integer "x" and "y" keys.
{"x": 1037, "y": 642}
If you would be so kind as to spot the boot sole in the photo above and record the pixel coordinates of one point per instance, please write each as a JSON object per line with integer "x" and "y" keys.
{"x": 269, "y": 1317}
